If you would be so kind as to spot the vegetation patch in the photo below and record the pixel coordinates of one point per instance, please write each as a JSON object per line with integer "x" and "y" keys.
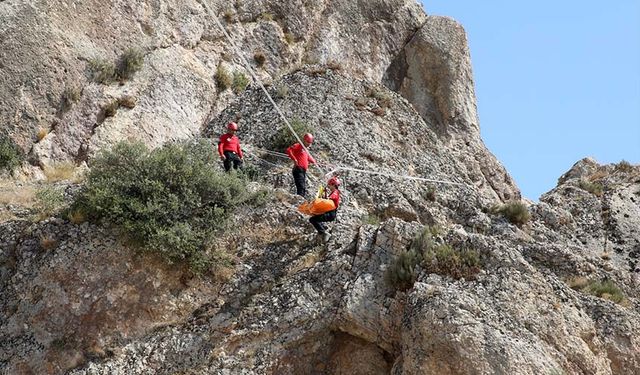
{"x": 129, "y": 63}
{"x": 624, "y": 167}
{"x": 49, "y": 201}
{"x": 240, "y": 82}
{"x": 223, "y": 78}
{"x": 60, "y": 171}
{"x": 266, "y": 17}
{"x": 516, "y": 212}
{"x": 283, "y": 138}
{"x": 371, "y": 219}
{"x": 282, "y": 91}
{"x": 595, "y": 188}
{"x": 606, "y": 289}
{"x": 260, "y": 58}
{"x": 169, "y": 200}
{"x": 289, "y": 38}
{"x": 10, "y": 154}
{"x": 430, "y": 194}
{"x": 102, "y": 71}
{"x": 441, "y": 259}
{"x": 42, "y": 133}
{"x": 69, "y": 97}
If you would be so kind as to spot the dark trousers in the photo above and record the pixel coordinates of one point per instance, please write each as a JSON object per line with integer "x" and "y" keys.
{"x": 300, "y": 179}
{"x": 230, "y": 158}
{"x": 318, "y": 220}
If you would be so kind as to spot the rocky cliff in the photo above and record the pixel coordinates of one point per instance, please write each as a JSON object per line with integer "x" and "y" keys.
{"x": 386, "y": 88}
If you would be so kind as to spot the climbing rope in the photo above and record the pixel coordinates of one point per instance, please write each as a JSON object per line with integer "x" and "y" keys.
{"x": 258, "y": 81}
{"x": 284, "y": 119}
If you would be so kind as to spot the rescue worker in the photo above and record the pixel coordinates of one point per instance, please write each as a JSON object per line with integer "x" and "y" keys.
{"x": 229, "y": 148}
{"x": 301, "y": 160}
{"x": 317, "y": 221}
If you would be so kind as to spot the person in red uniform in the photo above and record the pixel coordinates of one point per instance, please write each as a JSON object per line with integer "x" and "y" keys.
{"x": 229, "y": 148}
{"x": 317, "y": 221}
{"x": 301, "y": 160}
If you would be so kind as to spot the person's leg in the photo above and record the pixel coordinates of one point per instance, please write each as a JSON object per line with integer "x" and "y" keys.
{"x": 227, "y": 162}
{"x": 237, "y": 163}
{"x": 316, "y": 221}
{"x": 299, "y": 178}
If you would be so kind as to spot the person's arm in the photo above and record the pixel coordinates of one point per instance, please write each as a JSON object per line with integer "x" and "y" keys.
{"x": 291, "y": 153}
{"x": 311, "y": 159}
{"x": 220, "y": 151}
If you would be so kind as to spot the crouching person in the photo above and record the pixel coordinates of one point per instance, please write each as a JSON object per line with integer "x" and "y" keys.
{"x": 318, "y": 220}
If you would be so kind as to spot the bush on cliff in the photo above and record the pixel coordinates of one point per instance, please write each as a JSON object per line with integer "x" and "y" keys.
{"x": 441, "y": 259}
{"x": 169, "y": 200}
{"x": 10, "y": 155}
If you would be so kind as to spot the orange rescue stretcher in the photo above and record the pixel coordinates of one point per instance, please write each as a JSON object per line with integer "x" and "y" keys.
{"x": 317, "y": 206}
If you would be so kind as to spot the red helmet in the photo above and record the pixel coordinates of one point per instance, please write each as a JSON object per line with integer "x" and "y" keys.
{"x": 308, "y": 138}
{"x": 335, "y": 181}
{"x": 232, "y": 126}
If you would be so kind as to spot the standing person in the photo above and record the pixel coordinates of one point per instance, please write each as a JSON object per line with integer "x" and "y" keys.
{"x": 229, "y": 148}
{"x": 317, "y": 221}
{"x": 301, "y": 160}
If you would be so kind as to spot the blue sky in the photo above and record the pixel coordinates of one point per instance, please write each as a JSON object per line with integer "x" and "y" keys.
{"x": 556, "y": 81}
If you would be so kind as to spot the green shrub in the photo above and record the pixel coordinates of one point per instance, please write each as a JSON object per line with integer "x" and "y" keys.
{"x": 402, "y": 274}
{"x": 516, "y": 212}
{"x": 102, "y": 71}
{"x": 169, "y": 201}
{"x": 223, "y": 78}
{"x": 129, "y": 63}
{"x": 240, "y": 82}
{"x": 594, "y": 188}
{"x": 445, "y": 260}
{"x": 441, "y": 259}
{"x": 606, "y": 289}
{"x": 49, "y": 200}
{"x": 371, "y": 219}
{"x": 283, "y": 138}
{"x": 10, "y": 154}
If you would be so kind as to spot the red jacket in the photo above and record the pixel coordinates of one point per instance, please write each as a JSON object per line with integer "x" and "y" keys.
{"x": 300, "y": 156}
{"x": 229, "y": 142}
{"x": 335, "y": 197}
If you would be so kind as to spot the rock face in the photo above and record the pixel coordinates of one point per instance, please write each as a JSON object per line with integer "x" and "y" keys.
{"x": 175, "y": 92}
{"x": 385, "y": 89}
{"x": 294, "y": 307}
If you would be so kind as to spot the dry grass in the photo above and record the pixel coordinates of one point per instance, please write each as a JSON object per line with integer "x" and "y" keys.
{"x": 334, "y": 65}
{"x": 77, "y": 217}
{"x": 379, "y": 111}
{"x": 128, "y": 102}
{"x": 598, "y": 174}
{"x": 578, "y": 282}
{"x": 289, "y": 38}
{"x": 48, "y": 243}
{"x": 42, "y": 132}
{"x": 60, "y": 171}
{"x": 10, "y": 193}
